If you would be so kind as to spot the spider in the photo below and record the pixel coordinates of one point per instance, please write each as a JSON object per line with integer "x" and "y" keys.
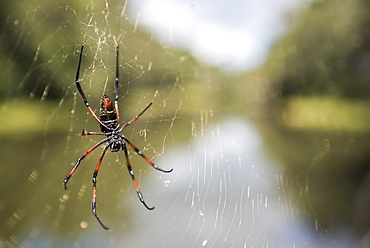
{"x": 109, "y": 120}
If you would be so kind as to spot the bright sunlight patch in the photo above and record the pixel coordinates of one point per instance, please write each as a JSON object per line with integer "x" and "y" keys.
{"x": 327, "y": 113}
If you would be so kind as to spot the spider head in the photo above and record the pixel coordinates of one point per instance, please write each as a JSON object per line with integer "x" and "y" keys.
{"x": 116, "y": 144}
{"x": 115, "y": 147}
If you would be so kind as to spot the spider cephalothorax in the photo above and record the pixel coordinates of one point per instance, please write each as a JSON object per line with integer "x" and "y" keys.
{"x": 109, "y": 120}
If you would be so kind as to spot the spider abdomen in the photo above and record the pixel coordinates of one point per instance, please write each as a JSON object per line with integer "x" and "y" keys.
{"x": 108, "y": 115}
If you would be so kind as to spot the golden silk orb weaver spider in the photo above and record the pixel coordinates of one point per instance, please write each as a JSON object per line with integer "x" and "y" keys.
{"x": 109, "y": 120}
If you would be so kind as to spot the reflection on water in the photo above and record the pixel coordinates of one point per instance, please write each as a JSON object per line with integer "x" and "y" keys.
{"x": 224, "y": 192}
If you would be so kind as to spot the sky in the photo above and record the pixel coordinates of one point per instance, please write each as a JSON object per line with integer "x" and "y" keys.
{"x": 234, "y": 35}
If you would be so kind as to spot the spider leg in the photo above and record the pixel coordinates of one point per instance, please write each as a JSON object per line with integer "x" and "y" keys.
{"x": 116, "y": 86}
{"x": 96, "y": 171}
{"x": 84, "y": 133}
{"x": 135, "y": 118}
{"x": 78, "y": 85}
{"x": 143, "y": 156}
{"x": 79, "y": 161}
{"x": 141, "y": 198}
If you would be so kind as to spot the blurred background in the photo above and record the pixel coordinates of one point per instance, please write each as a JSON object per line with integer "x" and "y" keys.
{"x": 262, "y": 110}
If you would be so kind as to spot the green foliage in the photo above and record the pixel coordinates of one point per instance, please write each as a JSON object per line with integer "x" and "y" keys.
{"x": 39, "y": 44}
{"x": 316, "y": 86}
{"x": 326, "y": 53}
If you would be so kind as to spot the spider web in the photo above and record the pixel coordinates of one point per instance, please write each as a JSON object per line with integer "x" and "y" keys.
{"x": 225, "y": 190}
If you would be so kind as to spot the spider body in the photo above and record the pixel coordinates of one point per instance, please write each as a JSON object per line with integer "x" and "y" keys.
{"x": 109, "y": 120}
{"x": 116, "y": 143}
{"x": 108, "y": 115}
